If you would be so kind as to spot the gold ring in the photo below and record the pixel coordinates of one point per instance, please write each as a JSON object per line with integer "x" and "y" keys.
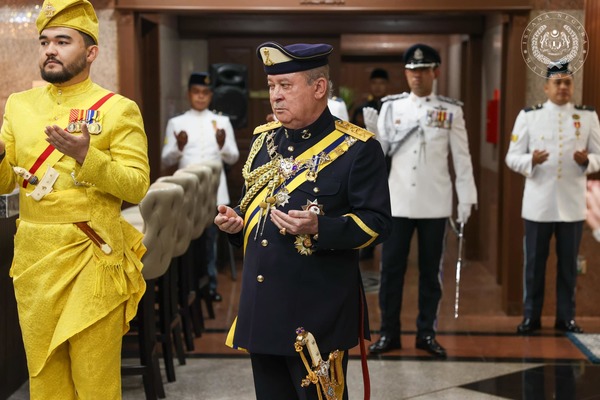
{"x": 282, "y": 231}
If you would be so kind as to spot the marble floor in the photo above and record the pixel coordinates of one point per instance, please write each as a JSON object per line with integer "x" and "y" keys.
{"x": 486, "y": 360}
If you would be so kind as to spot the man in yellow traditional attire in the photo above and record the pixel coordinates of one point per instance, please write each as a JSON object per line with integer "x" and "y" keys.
{"x": 77, "y": 151}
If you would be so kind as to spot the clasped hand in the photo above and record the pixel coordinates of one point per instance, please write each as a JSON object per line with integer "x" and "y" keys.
{"x": 541, "y": 156}
{"x": 228, "y": 220}
{"x": 220, "y": 136}
{"x": 581, "y": 157}
{"x": 296, "y": 222}
{"x": 181, "y": 138}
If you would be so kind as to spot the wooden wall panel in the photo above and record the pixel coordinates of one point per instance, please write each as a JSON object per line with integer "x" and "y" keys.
{"x": 471, "y": 96}
{"x": 510, "y": 235}
{"x": 591, "y": 77}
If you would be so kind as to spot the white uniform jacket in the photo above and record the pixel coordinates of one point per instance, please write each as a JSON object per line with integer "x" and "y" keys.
{"x": 555, "y": 190}
{"x": 202, "y": 144}
{"x": 337, "y": 107}
{"x": 419, "y": 133}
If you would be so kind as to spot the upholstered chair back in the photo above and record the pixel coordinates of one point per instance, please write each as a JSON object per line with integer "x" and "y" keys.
{"x": 190, "y": 186}
{"x": 205, "y": 210}
{"x": 216, "y": 167}
{"x": 156, "y": 217}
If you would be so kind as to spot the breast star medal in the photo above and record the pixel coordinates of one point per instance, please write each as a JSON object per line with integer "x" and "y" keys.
{"x": 304, "y": 243}
{"x": 282, "y": 197}
{"x": 313, "y": 207}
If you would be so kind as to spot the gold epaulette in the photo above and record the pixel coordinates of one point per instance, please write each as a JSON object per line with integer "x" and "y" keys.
{"x": 353, "y": 130}
{"x": 266, "y": 127}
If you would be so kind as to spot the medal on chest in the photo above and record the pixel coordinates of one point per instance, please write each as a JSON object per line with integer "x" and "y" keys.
{"x": 304, "y": 243}
{"x": 275, "y": 180}
{"x": 78, "y": 117}
{"x": 439, "y": 117}
{"x": 577, "y": 124}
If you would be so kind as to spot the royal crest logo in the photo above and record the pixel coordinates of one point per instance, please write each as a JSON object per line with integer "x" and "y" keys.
{"x": 418, "y": 54}
{"x": 554, "y": 38}
{"x": 49, "y": 10}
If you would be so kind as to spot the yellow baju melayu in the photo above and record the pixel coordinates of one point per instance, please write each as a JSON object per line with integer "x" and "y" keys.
{"x": 67, "y": 288}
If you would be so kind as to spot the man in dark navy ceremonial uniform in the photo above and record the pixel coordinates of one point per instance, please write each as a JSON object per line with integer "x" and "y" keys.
{"x": 315, "y": 193}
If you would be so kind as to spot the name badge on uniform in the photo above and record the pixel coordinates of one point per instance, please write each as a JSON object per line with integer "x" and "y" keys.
{"x": 439, "y": 118}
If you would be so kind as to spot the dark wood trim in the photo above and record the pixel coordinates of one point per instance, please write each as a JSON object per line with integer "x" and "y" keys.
{"x": 471, "y": 96}
{"x": 128, "y": 56}
{"x": 325, "y": 5}
{"x": 591, "y": 79}
{"x": 150, "y": 90}
{"x": 138, "y": 73}
{"x": 510, "y": 224}
{"x": 196, "y": 25}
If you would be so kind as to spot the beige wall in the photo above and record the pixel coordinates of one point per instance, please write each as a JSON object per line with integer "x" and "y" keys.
{"x": 19, "y": 45}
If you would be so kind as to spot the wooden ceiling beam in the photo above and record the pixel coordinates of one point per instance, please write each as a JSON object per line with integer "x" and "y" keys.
{"x": 191, "y": 26}
{"x": 324, "y": 5}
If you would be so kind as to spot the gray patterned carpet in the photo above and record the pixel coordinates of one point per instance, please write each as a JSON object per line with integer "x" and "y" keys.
{"x": 588, "y": 343}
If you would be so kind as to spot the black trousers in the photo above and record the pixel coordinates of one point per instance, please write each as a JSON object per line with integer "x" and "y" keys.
{"x": 431, "y": 234}
{"x": 537, "y": 247}
{"x": 279, "y": 377}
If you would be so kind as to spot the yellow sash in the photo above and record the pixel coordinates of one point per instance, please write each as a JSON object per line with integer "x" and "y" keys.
{"x": 340, "y": 143}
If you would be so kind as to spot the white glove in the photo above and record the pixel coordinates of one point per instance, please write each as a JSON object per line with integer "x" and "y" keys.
{"x": 370, "y": 116}
{"x": 464, "y": 212}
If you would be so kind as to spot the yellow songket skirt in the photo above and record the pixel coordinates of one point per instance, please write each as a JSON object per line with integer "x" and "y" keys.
{"x": 64, "y": 284}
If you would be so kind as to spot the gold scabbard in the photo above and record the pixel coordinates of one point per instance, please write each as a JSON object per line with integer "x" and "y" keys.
{"x": 327, "y": 375}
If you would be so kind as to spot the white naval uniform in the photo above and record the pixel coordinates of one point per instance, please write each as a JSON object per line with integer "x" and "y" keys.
{"x": 419, "y": 180}
{"x": 337, "y": 107}
{"x": 202, "y": 144}
{"x": 554, "y": 190}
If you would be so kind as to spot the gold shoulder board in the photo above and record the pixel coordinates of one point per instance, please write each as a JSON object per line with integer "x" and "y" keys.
{"x": 266, "y": 127}
{"x": 353, "y": 130}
